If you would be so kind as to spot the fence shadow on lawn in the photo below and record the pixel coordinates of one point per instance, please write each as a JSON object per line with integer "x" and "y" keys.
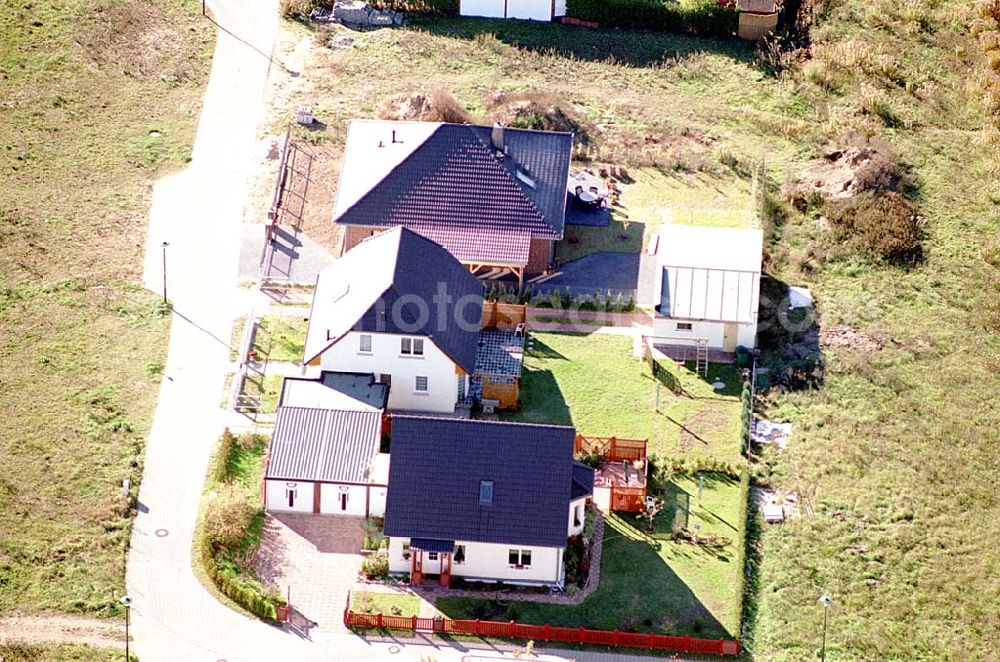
{"x": 636, "y": 48}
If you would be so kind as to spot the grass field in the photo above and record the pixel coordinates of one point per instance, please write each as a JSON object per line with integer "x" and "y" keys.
{"x": 594, "y": 383}
{"x": 650, "y": 583}
{"x": 81, "y": 346}
{"x": 385, "y": 603}
{"x": 59, "y": 653}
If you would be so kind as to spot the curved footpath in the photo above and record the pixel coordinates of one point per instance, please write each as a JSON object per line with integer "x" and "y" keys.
{"x": 199, "y": 213}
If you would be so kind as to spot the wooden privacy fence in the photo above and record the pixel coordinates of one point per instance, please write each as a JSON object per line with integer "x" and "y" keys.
{"x": 611, "y": 448}
{"x": 541, "y": 633}
{"x": 505, "y": 316}
{"x": 505, "y": 389}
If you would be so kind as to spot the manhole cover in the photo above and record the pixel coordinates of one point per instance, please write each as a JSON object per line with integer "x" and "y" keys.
{"x": 154, "y": 134}
{"x": 394, "y": 649}
{"x": 718, "y": 386}
{"x": 162, "y": 533}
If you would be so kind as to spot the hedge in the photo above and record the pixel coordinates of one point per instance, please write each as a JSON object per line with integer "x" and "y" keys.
{"x": 705, "y": 18}
{"x": 430, "y": 7}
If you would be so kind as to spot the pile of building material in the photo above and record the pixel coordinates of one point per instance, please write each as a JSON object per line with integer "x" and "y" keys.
{"x": 769, "y": 432}
{"x": 356, "y": 12}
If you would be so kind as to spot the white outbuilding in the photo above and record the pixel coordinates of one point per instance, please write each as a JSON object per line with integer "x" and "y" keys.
{"x": 708, "y": 287}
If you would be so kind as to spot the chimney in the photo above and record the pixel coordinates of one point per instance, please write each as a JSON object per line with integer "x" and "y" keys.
{"x": 497, "y": 138}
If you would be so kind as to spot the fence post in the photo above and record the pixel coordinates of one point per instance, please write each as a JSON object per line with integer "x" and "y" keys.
{"x": 651, "y": 642}
{"x": 477, "y": 626}
{"x": 547, "y": 633}
{"x": 379, "y": 619}
{"x": 687, "y": 644}
{"x": 413, "y": 622}
{"x": 579, "y": 634}
{"x": 614, "y": 637}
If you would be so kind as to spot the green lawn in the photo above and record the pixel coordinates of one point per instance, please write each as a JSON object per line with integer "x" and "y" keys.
{"x": 60, "y": 653}
{"x": 82, "y": 84}
{"x": 649, "y": 583}
{"x": 653, "y": 197}
{"x": 396, "y": 604}
{"x": 595, "y": 384}
{"x": 266, "y": 387}
{"x": 281, "y": 338}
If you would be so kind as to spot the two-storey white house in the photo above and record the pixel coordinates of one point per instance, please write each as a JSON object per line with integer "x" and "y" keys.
{"x": 483, "y": 500}
{"x": 400, "y": 307}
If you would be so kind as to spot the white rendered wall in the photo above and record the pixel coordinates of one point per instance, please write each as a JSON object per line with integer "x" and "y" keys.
{"x": 277, "y": 496}
{"x": 329, "y": 503}
{"x": 385, "y": 358}
{"x": 376, "y": 505}
{"x": 488, "y": 561}
{"x": 488, "y": 8}
{"x": 666, "y": 327}
{"x": 574, "y": 530}
{"x": 535, "y": 10}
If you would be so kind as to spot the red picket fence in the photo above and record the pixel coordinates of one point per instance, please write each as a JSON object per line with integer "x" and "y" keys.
{"x": 541, "y": 633}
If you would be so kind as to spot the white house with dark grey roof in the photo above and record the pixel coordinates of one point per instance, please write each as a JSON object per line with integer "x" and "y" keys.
{"x": 400, "y": 307}
{"x": 707, "y": 287}
{"x": 494, "y": 197}
{"x": 483, "y": 500}
{"x": 324, "y": 456}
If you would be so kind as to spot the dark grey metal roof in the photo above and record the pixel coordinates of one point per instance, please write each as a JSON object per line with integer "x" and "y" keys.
{"x": 323, "y": 444}
{"x": 334, "y": 390}
{"x": 583, "y": 481}
{"x": 438, "y": 465}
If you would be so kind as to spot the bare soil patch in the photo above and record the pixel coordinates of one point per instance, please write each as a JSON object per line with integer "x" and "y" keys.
{"x": 61, "y": 629}
{"x": 850, "y": 337}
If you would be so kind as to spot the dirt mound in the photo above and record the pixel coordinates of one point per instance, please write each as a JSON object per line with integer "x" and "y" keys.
{"x": 536, "y": 110}
{"x": 842, "y": 335}
{"x": 845, "y": 173}
{"x": 438, "y": 106}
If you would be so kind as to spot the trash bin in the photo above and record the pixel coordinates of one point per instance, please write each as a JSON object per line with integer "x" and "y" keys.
{"x": 742, "y": 356}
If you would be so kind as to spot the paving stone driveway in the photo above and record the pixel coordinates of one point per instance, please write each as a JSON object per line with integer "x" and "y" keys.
{"x": 317, "y": 557}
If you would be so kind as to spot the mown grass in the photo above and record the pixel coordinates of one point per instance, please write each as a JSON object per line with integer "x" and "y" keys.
{"x": 59, "y": 653}
{"x": 393, "y": 604}
{"x": 82, "y": 85}
{"x": 595, "y": 384}
{"x": 650, "y": 583}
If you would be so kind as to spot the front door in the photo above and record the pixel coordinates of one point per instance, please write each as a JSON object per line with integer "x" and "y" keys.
{"x": 343, "y": 500}
{"x": 729, "y": 334}
{"x": 417, "y": 571}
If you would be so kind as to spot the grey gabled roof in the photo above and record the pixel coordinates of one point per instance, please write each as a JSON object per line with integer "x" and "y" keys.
{"x": 455, "y": 176}
{"x": 438, "y": 465}
{"x": 398, "y": 282}
{"x": 323, "y": 444}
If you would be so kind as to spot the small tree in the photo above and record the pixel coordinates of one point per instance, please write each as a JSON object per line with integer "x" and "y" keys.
{"x": 653, "y": 506}
{"x": 227, "y": 517}
{"x": 246, "y": 559}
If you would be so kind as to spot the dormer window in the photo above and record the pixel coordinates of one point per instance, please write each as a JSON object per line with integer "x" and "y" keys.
{"x": 485, "y": 492}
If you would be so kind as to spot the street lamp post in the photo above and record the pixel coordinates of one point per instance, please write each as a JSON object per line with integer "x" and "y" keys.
{"x": 826, "y": 601}
{"x": 127, "y": 601}
{"x": 164, "y": 246}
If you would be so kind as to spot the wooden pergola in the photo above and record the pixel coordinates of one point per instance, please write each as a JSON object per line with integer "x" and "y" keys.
{"x": 515, "y": 269}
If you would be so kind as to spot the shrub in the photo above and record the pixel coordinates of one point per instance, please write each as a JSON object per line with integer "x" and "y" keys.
{"x": 705, "y": 18}
{"x": 883, "y": 226}
{"x": 227, "y": 517}
{"x": 220, "y": 470}
{"x": 376, "y": 566}
{"x": 432, "y": 7}
{"x": 297, "y": 9}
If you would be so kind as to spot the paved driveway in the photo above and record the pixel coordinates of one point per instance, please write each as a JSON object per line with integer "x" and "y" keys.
{"x": 317, "y": 557}
{"x": 629, "y": 273}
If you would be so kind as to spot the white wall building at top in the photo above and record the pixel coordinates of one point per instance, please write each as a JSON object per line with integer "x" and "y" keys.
{"x": 714, "y": 332}
{"x": 386, "y": 357}
{"x": 533, "y": 10}
{"x": 360, "y": 501}
{"x": 486, "y": 561}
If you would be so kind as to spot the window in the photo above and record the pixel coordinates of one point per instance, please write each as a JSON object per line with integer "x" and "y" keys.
{"x": 432, "y": 556}
{"x": 411, "y": 346}
{"x": 406, "y": 551}
{"x": 420, "y": 384}
{"x": 385, "y": 378}
{"x": 365, "y": 343}
{"x": 683, "y": 326}
{"x": 485, "y": 491}
{"x": 459, "y": 554}
{"x": 577, "y": 513}
{"x": 519, "y": 557}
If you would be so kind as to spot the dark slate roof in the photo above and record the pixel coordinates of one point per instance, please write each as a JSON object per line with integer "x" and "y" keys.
{"x": 323, "y": 444}
{"x": 453, "y": 176}
{"x": 583, "y": 481}
{"x": 487, "y": 245}
{"x": 437, "y": 467}
{"x": 360, "y": 291}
